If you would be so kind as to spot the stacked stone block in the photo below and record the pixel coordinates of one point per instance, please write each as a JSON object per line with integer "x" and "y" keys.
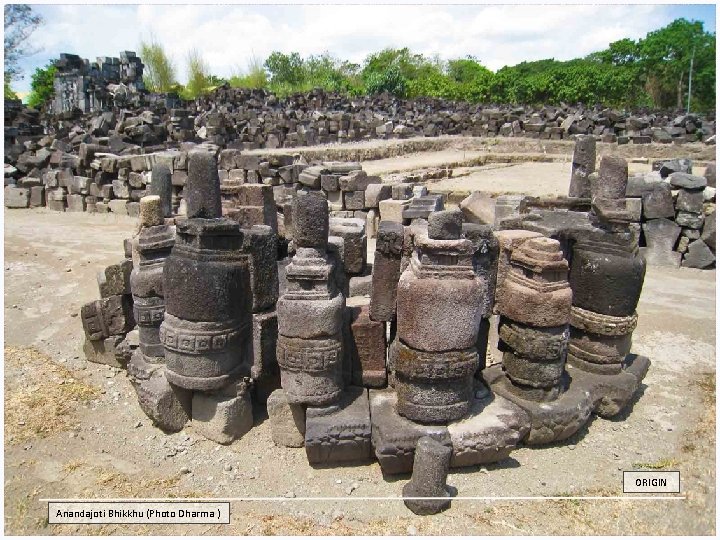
{"x": 606, "y": 277}
{"x": 670, "y": 206}
{"x": 310, "y": 312}
{"x": 208, "y": 299}
{"x": 167, "y": 405}
{"x": 439, "y": 310}
{"x": 534, "y": 304}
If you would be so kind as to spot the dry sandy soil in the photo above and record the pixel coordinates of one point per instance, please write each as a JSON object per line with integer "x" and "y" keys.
{"x": 74, "y": 429}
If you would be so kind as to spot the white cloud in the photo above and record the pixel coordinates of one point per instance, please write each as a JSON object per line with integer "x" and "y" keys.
{"x": 229, "y": 36}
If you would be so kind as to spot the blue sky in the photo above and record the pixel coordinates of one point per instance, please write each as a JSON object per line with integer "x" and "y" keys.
{"x": 229, "y": 36}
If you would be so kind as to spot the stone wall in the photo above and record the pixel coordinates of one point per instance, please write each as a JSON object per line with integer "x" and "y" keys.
{"x": 96, "y": 86}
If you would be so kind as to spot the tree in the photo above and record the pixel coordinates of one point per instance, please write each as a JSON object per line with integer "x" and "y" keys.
{"x": 9, "y": 94}
{"x": 198, "y": 76}
{"x": 287, "y": 71}
{"x": 664, "y": 60}
{"x": 159, "y": 72}
{"x": 42, "y": 86}
{"x": 388, "y": 80}
{"x": 20, "y": 23}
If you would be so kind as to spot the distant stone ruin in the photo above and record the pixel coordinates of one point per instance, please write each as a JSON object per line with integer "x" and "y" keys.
{"x": 94, "y": 87}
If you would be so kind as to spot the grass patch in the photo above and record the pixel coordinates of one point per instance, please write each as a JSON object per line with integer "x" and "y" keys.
{"x": 121, "y": 485}
{"x": 72, "y": 466}
{"x": 664, "y": 463}
{"x": 45, "y": 400}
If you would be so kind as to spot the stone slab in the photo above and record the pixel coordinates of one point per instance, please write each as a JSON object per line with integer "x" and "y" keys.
{"x": 340, "y": 433}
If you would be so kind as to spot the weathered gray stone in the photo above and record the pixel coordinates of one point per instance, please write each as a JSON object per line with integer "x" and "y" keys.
{"x": 115, "y": 279}
{"x": 690, "y": 201}
{"x": 493, "y": 427}
{"x": 107, "y": 317}
{"x": 310, "y": 220}
{"x": 339, "y": 433}
{"x": 37, "y": 196}
{"x": 352, "y": 231}
{"x": 224, "y": 414}
{"x": 709, "y": 231}
{"x": 368, "y": 343}
{"x": 168, "y": 406}
{"x": 287, "y": 421}
{"x": 104, "y": 351}
{"x": 445, "y": 225}
{"x": 507, "y": 206}
{"x": 260, "y": 243}
{"x": 687, "y": 181}
{"x": 430, "y": 471}
{"x": 710, "y": 174}
{"x": 76, "y": 203}
{"x": 479, "y": 208}
{"x": 202, "y": 191}
{"x": 263, "y": 354}
{"x": 394, "y": 437}
{"x": 392, "y": 210}
{"x": 699, "y": 255}
{"x": 402, "y": 192}
{"x": 583, "y": 165}
{"x": 376, "y": 193}
{"x": 354, "y": 200}
{"x": 660, "y": 237}
{"x": 386, "y": 270}
{"x": 691, "y": 220}
{"x": 161, "y": 185}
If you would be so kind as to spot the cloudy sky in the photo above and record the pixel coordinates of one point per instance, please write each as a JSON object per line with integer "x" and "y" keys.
{"x": 228, "y": 36}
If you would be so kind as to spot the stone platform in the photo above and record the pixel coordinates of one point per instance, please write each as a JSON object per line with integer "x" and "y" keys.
{"x": 585, "y": 393}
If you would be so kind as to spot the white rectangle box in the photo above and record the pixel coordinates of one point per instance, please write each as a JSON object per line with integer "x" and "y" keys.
{"x": 651, "y": 481}
{"x": 138, "y": 512}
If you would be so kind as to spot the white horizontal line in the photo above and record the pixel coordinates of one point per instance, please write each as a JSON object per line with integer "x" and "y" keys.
{"x": 286, "y": 499}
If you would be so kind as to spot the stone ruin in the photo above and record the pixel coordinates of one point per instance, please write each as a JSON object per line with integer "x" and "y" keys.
{"x": 237, "y": 310}
{"x": 95, "y": 87}
{"x": 670, "y": 209}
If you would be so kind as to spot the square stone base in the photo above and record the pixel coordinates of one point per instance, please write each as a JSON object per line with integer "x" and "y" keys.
{"x": 493, "y": 427}
{"x": 584, "y": 393}
{"x": 166, "y": 405}
{"x": 340, "y": 433}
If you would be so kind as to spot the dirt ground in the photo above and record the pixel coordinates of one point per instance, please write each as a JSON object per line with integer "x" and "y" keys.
{"x": 74, "y": 429}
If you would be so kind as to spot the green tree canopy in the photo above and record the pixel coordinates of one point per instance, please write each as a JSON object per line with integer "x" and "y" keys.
{"x": 42, "y": 86}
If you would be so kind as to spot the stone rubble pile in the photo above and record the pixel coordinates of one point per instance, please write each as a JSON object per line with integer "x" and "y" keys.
{"x": 102, "y": 108}
{"x": 257, "y": 119}
{"x": 671, "y": 210}
{"x": 233, "y": 315}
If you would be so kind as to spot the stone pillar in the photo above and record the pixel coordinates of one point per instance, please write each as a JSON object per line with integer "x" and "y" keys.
{"x": 661, "y": 236}
{"x": 534, "y": 304}
{"x": 260, "y": 243}
{"x": 207, "y": 289}
{"x": 386, "y": 270}
{"x": 154, "y": 243}
{"x": 583, "y": 165}
{"x": 440, "y": 304}
{"x": 487, "y": 250}
{"x": 429, "y": 477}
{"x": 161, "y": 185}
{"x": 310, "y": 311}
{"x": 165, "y": 404}
{"x": 606, "y": 276}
